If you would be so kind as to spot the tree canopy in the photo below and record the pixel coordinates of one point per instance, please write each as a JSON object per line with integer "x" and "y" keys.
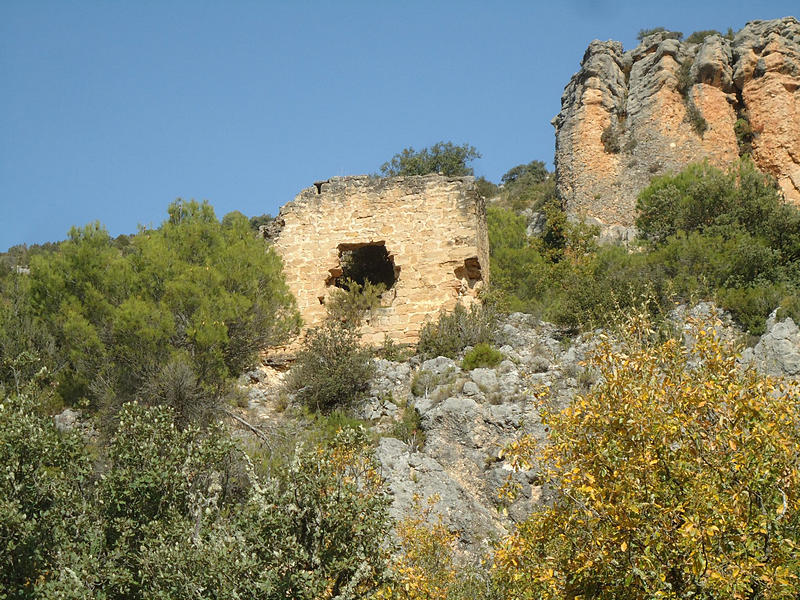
{"x": 443, "y": 157}
{"x": 168, "y": 317}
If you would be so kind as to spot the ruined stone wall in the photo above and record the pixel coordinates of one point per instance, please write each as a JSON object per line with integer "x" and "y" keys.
{"x": 625, "y": 116}
{"x": 433, "y": 229}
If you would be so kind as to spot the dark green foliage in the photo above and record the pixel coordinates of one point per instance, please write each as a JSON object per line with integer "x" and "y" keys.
{"x": 195, "y": 292}
{"x": 744, "y": 135}
{"x": 696, "y": 119}
{"x": 724, "y": 236}
{"x": 181, "y": 514}
{"x": 349, "y": 303}
{"x": 26, "y": 345}
{"x": 454, "y": 331}
{"x": 42, "y": 503}
{"x": 320, "y": 526}
{"x": 443, "y": 157}
{"x": 684, "y": 75}
{"x": 482, "y": 355}
{"x": 534, "y": 172}
{"x": 391, "y": 350}
{"x": 698, "y": 37}
{"x": 694, "y": 115}
{"x": 333, "y": 369}
{"x": 702, "y": 198}
{"x": 256, "y": 222}
{"x": 527, "y": 186}
{"x": 643, "y": 33}
{"x": 409, "y": 428}
{"x": 486, "y": 189}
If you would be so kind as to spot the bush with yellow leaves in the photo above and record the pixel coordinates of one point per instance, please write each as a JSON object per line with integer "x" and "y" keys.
{"x": 677, "y": 476}
{"x": 427, "y": 566}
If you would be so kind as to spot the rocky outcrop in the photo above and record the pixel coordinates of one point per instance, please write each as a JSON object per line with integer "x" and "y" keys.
{"x": 778, "y": 350}
{"x": 628, "y": 116}
{"x": 467, "y": 417}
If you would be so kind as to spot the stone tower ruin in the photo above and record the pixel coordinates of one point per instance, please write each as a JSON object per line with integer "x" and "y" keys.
{"x": 423, "y": 237}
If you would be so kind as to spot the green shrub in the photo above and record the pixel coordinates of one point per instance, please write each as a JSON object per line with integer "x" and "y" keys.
{"x": 423, "y": 382}
{"x": 744, "y": 136}
{"x": 482, "y": 355}
{"x": 350, "y": 303}
{"x": 323, "y": 428}
{"x": 711, "y": 234}
{"x": 643, "y": 33}
{"x": 26, "y": 344}
{"x": 684, "y": 76}
{"x": 452, "y": 332}
{"x": 696, "y": 119}
{"x": 528, "y": 186}
{"x": 442, "y": 157}
{"x": 332, "y": 370}
{"x": 173, "y": 514}
{"x": 751, "y": 305}
{"x": 702, "y": 197}
{"x": 486, "y": 189}
{"x": 409, "y": 428}
{"x": 698, "y": 37}
{"x": 41, "y": 491}
{"x": 391, "y": 350}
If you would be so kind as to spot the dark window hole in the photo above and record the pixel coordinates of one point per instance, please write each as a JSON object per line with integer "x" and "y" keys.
{"x": 362, "y": 263}
{"x": 471, "y": 271}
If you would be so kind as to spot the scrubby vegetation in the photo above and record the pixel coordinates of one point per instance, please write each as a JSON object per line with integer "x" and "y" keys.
{"x": 333, "y": 369}
{"x": 528, "y": 186}
{"x": 454, "y": 331}
{"x": 348, "y": 304}
{"x": 727, "y": 236}
{"x": 183, "y": 514}
{"x": 676, "y": 477}
{"x": 643, "y": 33}
{"x": 443, "y": 157}
{"x": 482, "y": 355}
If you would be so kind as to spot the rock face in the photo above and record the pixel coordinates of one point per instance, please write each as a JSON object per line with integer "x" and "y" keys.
{"x": 628, "y": 116}
{"x": 778, "y": 350}
{"x": 467, "y": 417}
{"x": 424, "y": 236}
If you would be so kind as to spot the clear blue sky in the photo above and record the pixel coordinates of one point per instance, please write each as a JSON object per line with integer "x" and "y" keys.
{"x": 110, "y": 110}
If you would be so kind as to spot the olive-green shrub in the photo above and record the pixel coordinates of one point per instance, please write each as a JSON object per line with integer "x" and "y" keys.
{"x": 482, "y": 355}
{"x": 333, "y": 369}
{"x": 451, "y": 332}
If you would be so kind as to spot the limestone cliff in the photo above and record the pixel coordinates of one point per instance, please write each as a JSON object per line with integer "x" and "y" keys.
{"x": 628, "y": 116}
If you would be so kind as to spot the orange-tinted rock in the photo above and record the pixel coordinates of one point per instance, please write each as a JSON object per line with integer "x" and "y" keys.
{"x": 628, "y": 116}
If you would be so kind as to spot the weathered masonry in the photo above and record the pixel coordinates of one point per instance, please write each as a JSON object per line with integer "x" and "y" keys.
{"x": 423, "y": 237}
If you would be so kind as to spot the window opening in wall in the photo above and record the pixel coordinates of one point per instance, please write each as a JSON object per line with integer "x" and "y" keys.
{"x": 364, "y": 262}
{"x": 471, "y": 271}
